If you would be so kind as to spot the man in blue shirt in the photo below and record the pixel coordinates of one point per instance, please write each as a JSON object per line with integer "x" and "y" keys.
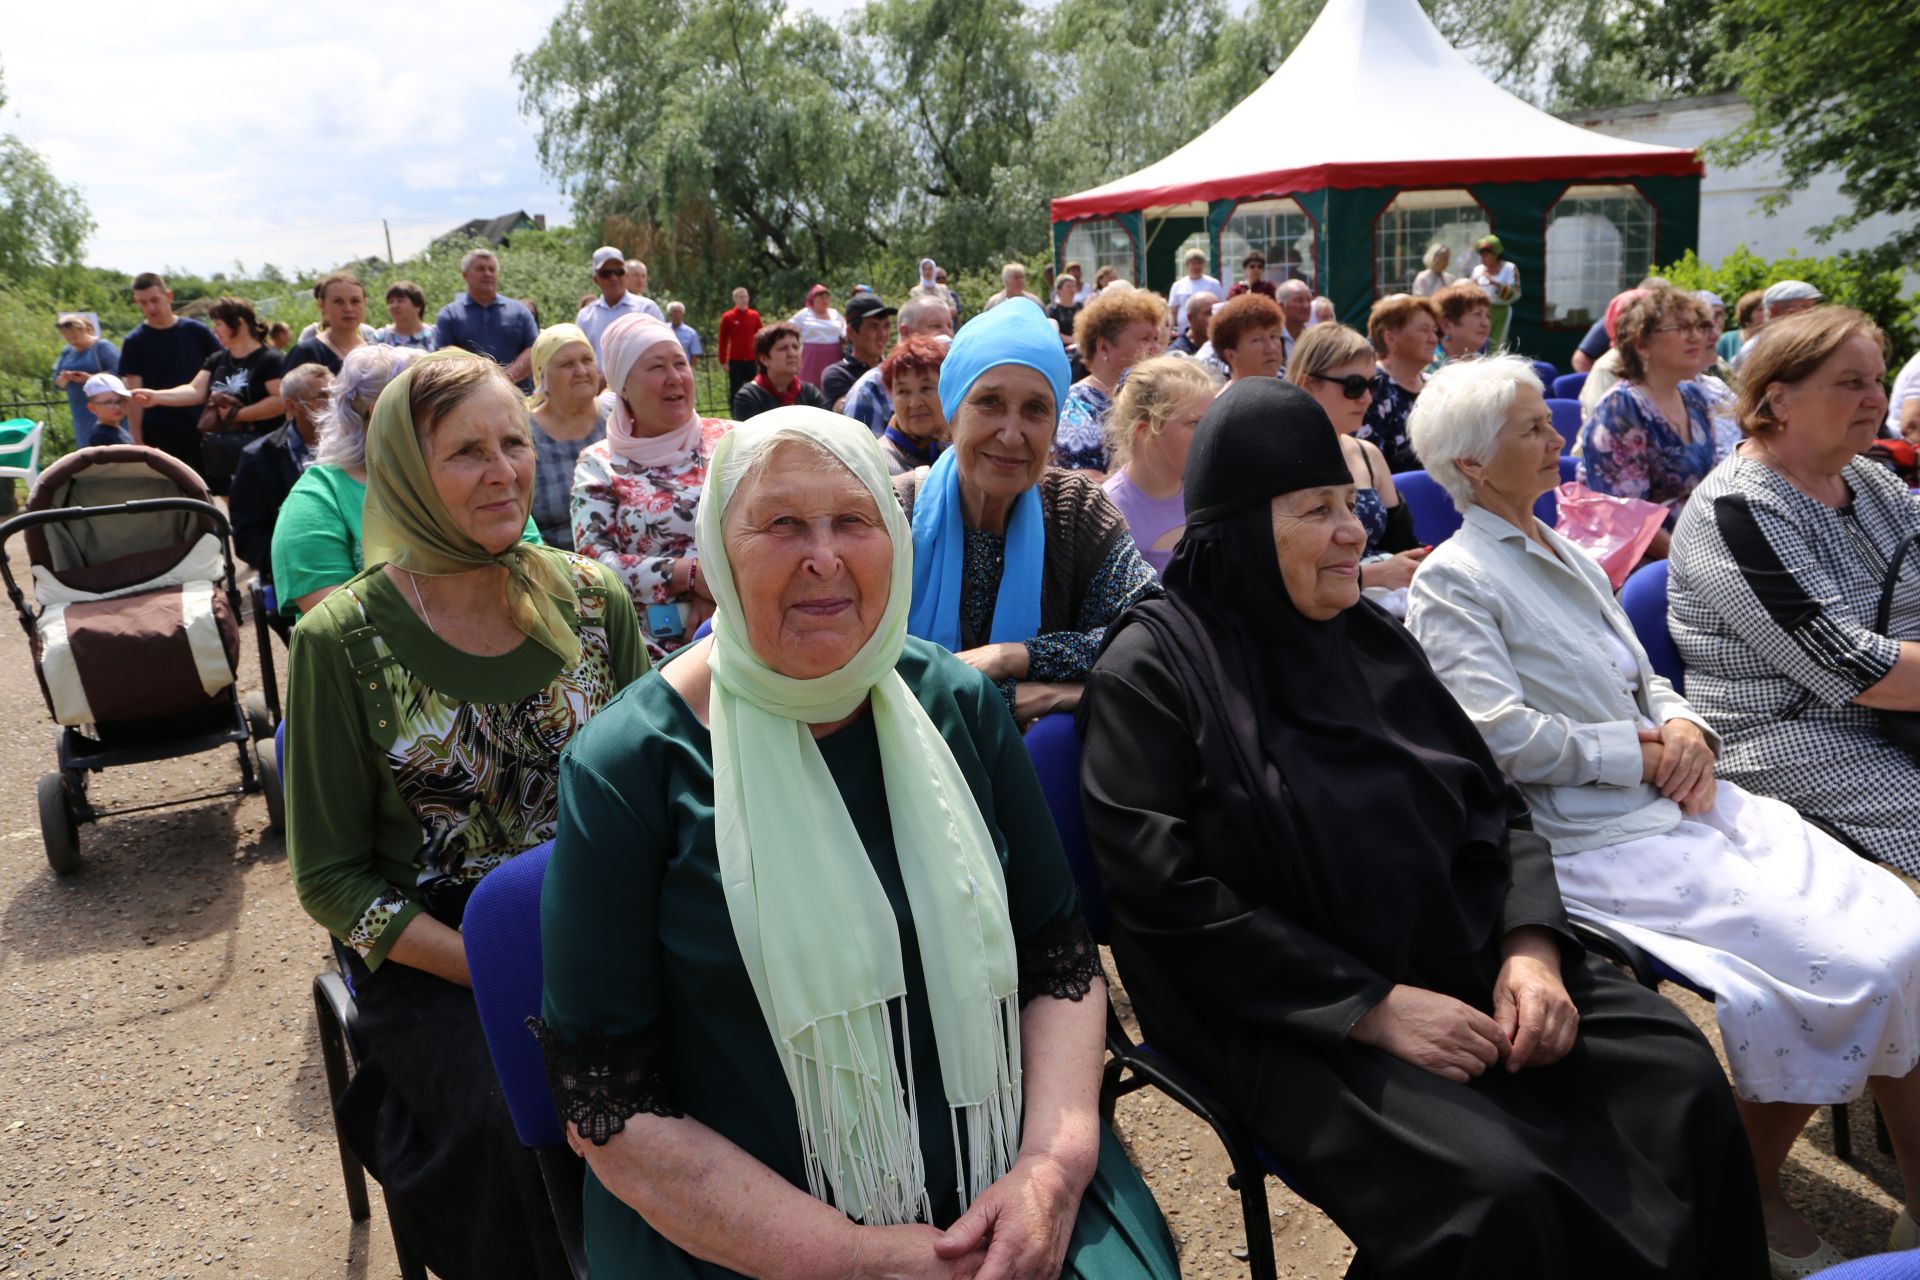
{"x": 689, "y": 338}
{"x": 482, "y": 321}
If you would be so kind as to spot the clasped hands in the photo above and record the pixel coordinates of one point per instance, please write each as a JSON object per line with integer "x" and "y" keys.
{"x": 1679, "y": 763}
{"x": 1533, "y": 1023}
{"x": 1017, "y": 1230}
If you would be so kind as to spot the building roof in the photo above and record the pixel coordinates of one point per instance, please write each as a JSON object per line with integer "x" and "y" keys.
{"x": 494, "y": 230}
{"x": 1373, "y": 96}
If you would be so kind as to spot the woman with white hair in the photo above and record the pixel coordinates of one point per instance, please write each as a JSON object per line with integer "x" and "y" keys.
{"x": 1810, "y": 952}
{"x": 1436, "y": 276}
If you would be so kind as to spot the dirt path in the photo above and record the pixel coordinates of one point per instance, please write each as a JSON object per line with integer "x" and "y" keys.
{"x": 162, "y": 1110}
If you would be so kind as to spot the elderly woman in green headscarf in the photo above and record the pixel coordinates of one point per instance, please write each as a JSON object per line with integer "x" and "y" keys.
{"x": 819, "y": 1000}
{"x": 428, "y": 700}
{"x": 568, "y": 414}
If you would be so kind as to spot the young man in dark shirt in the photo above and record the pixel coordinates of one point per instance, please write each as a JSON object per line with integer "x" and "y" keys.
{"x": 163, "y": 351}
{"x": 869, "y": 330}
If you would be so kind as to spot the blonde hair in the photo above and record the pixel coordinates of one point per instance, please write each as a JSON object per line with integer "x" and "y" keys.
{"x": 1324, "y": 347}
{"x": 1150, "y": 394}
{"x": 1788, "y": 350}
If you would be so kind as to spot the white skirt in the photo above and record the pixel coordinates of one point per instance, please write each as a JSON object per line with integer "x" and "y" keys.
{"x": 1810, "y": 950}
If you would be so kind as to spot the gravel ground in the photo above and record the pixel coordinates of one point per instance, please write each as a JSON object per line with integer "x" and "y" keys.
{"x": 164, "y": 1111}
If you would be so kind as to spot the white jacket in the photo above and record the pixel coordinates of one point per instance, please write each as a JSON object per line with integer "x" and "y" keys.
{"x": 1519, "y": 637}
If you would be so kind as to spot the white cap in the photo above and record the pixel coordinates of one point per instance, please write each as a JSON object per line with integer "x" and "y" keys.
{"x": 101, "y": 384}
{"x": 1792, "y": 291}
{"x": 607, "y": 253}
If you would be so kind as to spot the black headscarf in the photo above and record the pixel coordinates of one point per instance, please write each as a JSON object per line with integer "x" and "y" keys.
{"x": 1331, "y": 744}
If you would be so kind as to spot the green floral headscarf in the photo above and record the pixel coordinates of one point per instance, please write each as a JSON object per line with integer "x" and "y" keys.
{"x": 405, "y": 524}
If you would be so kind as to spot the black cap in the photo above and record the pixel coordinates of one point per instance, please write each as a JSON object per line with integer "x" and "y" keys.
{"x": 1259, "y": 439}
{"x": 866, "y": 307}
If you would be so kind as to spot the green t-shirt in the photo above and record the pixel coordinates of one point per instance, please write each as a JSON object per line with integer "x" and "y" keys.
{"x": 409, "y": 760}
{"x": 318, "y": 533}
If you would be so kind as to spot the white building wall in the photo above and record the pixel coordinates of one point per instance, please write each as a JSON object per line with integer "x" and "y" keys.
{"x": 1730, "y": 195}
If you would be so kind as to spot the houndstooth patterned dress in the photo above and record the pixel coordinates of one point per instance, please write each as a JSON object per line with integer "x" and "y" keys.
{"x": 1771, "y": 601}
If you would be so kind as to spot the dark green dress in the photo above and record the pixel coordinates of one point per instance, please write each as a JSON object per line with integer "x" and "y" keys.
{"x": 643, "y": 975}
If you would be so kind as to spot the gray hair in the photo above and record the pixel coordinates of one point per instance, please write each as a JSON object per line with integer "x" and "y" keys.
{"x": 363, "y": 375}
{"x": 679, "y": 307}
{"x": 472, "y": 256}
{"x": 1012, "y": 269}
{"x": 305, "y": 382}
{"x": 1459, "y": 414}
{"x": 1296, "y": 286}
{"x": 1432, "y": 255}
{"x": 920, "y": 307}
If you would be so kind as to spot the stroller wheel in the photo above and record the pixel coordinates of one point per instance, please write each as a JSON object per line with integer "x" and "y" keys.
{"x": 268, "y": 763}
{"x": 58, "y": 830}
{"x": 259, "y": 719}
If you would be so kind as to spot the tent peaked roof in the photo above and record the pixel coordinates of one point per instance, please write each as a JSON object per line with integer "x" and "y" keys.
{"x": 1373, "y": 96}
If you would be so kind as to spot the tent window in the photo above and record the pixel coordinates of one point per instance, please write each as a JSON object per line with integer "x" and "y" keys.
{"x": 1598, "y": 240}
{"x": 1102, "y": 243}
{"x": 1413, "y": 222}
{"x": 1280, "y": 230}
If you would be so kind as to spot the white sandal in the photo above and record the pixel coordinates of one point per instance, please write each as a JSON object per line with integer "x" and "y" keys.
{"x": 1786, "y": 1268}
{"x": 1905, "y": 1233}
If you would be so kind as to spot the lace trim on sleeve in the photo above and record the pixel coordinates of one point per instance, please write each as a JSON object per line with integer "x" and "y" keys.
{"x": 598, "y": 1081}
{"x": 1059, "y": 959}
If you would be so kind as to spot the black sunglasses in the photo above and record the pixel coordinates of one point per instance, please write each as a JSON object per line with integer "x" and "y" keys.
{"x": 611, "y": 271}
{"x": 1353, "y": 386}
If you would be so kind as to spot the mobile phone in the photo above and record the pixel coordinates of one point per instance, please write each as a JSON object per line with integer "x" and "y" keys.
{"x": 664, "y": 622}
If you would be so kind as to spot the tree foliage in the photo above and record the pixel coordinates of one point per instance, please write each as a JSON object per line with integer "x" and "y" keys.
{"x": 1849, "y": 280}
{"x": 43, "y": 221}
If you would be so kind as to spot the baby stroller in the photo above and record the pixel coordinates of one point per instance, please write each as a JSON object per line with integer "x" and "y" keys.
{"x": 136, "y": 636}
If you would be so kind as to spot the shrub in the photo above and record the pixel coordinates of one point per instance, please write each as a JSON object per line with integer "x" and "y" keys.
{"x": 1843, "y": 278}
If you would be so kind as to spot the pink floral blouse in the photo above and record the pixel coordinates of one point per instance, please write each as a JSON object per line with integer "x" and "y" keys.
{"x": 638, "y": 520}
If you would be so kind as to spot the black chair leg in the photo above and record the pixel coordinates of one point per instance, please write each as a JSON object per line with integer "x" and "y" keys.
{"x": 1842, "y": 1133}
{"x": 1881, "y": 1138}
{"x": 331, "y": 1003}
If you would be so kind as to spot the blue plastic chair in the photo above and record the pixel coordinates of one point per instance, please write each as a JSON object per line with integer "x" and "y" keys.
{"x": 1545, "y": 372}
{"x": 1567, "y": 386}
{"x": 702, "y": 631}
{"x": 1644, "y": 597}
{"x": 1434, "y": 517}
{"x": 501, "y": 932}
{"x": 1055, "y": 748}
{"x": 1547, "y": 508}
{"x": 1566, "y": 420}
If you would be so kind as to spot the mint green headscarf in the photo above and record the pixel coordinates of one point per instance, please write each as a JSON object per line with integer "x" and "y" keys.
{"x": 814, "y": 924}
{"x": 404, "y": 523}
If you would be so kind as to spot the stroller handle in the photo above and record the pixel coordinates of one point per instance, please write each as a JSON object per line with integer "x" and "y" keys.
{"x": 61, "y": 515}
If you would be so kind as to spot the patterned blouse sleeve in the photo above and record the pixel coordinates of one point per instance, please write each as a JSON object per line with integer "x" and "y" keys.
{"x": 1079, "y": 444}
{"x": 1122, "y": 578}
{"x": 1771, "y": 589}
{"x": 600, "y": 534}
{"x": 1613, "y": 447}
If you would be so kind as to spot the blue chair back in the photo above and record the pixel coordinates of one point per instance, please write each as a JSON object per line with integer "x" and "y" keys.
{"x": 1055, "y": 749}
{"x": 501, "y": 932}
{"x": 1566, "y": 420}
{"x": 702, "y": 631}
{"x": 1434, "y": 517}
{"x": 1644, "y": 597}
{"x": 1545, "y": 372}
{"x": 1567, "y": 386}
{"x": 280, "y": 748}
{"x": 1880, "y": 1266}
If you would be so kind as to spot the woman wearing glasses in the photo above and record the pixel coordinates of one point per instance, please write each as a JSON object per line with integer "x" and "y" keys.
{"x": 1335, "y": 366}
{"x": 1651, "y": 436}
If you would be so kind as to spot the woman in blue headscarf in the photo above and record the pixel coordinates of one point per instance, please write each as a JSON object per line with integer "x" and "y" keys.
{"x": 1017, "y": 567}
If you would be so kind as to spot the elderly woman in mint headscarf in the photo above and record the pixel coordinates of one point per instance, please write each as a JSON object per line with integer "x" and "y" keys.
{"x": 1018, "y": 567}
{"x": 813, "y": 957}
{"x": 428, "y": 699}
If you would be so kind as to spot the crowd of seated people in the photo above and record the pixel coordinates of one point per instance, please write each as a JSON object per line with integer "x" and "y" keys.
{"x": 804, "y": 884}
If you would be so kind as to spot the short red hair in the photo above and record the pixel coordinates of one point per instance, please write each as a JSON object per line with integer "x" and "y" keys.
{"x": 912, "y": 355}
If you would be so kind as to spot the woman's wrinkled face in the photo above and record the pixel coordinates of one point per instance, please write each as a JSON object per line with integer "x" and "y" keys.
{"x": 480, "y": 455}
{"x": 1835, "y": 411}
{"x": 1679, "y": 343}
{"x": 1346, "y": 415}
{"x": 659, "y": 389}
{"x": 1526, "y": 454}
{"x": 1470, "y": 332}
{"x": 916, "y": 405}
{"x": 783, "y": 360}
{"x": 1257, "y": 355}
{"x": 1318, "y": 541}
{"x": 344, "y": 307}
{"x": 1004, "y": 430}
{"x": 1415, "y": 340}
{"x": 572, "y": 373}
{"x": 812, "y": 561}
{"x": 1135, "y": 343}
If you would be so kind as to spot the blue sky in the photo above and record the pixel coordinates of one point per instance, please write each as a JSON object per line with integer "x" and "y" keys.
{"x": 205, "y": 131}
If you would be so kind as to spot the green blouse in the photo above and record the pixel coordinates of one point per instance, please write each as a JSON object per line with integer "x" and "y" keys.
{"x": 409, "y": 760}
{"x": 643, "y": 972}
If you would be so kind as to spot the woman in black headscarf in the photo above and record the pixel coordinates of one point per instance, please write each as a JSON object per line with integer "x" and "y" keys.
{"x": 1328, "y": 903}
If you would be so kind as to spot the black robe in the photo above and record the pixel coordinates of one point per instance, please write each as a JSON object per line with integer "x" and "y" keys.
{"x": 1624, "y": 1159}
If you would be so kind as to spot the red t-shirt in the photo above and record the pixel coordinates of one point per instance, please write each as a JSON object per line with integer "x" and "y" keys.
{"x": 738, "y": 326}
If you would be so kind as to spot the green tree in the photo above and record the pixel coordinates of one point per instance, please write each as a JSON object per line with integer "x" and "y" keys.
{"x": 739, "y": 109}
{"x": 43, "y": 221}
{"x": 1832, "y": 87}
{"x": 1850, "y": 280}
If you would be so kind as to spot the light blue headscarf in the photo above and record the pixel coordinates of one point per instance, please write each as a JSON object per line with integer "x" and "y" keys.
{"x": 1015, "y": 332}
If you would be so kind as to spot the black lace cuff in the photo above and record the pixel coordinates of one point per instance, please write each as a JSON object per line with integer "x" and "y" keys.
{"x": 598, "y": 1081}
{"x": 1058, "y": 959}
